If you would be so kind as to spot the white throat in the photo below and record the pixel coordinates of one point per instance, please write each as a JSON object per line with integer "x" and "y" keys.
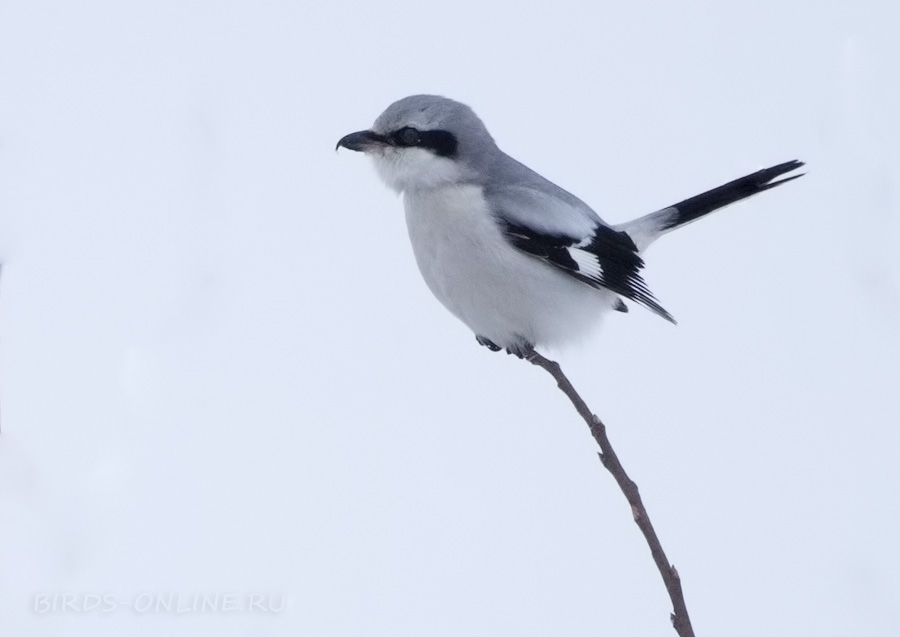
{"x": 415, "y": 169}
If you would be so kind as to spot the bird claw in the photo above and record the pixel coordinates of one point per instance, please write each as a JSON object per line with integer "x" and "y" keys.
{"x": 519, "y": 350}
{"x": 488, "y": 343}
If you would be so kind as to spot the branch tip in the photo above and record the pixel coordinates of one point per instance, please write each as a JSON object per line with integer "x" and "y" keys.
{"x": 680, "y": 619}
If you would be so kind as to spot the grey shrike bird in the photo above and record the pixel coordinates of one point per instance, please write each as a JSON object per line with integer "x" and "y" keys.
{"x": 515, "y": 257}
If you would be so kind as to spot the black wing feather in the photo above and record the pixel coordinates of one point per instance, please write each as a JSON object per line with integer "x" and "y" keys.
{"x": 617, "y": 260}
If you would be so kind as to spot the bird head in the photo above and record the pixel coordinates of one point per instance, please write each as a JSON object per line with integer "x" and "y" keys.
{"x": 424, "y": 141}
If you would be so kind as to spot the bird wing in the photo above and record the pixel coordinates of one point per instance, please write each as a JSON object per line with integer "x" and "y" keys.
{"x": 569, "y": 236}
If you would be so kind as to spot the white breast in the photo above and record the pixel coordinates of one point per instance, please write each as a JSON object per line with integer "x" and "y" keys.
{"x": 500, "y": 292}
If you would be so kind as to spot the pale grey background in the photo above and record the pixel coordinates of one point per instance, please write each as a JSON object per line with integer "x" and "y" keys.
{"x": 222, "y": 373}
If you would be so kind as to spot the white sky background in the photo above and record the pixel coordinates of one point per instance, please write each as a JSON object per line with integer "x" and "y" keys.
{"x": 221, "y": 372}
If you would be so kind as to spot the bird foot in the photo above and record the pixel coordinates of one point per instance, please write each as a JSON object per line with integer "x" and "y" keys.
{"x": 519, "y": 350}
{"x": 488, "y": 343}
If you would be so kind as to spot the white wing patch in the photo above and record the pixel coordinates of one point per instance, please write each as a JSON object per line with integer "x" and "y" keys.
{"x": 588, "y": 264}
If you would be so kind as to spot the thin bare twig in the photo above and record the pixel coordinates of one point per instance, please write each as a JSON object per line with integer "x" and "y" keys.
{"x": 680, "y": 619}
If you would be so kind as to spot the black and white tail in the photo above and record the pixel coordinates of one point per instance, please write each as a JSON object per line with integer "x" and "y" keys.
{"x": 649, "y": 228}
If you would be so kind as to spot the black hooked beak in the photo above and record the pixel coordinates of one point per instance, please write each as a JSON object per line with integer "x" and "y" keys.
{"x": 362, "y": 140}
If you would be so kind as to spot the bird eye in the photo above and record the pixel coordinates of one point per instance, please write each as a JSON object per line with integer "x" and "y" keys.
{"x": 408, "y": 136}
